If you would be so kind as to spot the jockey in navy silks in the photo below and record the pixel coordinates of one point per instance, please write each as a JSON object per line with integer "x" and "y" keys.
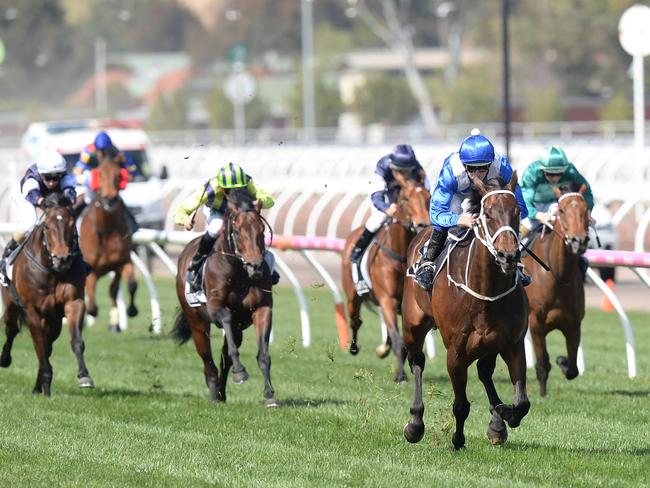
{"x": 477, "y": 157}
{"x": 383, "y": 193}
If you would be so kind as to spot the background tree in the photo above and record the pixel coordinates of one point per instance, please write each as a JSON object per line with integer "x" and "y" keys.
{"x": 385, "y": 99}
{"x": 169, "y": 112}
{"x": 327, "y": 98}
{"x": 222, "y": 110}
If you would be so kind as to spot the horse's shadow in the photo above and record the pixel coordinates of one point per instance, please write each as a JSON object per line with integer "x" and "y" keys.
{"x": 641, "y": 393}
{"x": 527, "y": 446}
{"x": 312, "y": 402}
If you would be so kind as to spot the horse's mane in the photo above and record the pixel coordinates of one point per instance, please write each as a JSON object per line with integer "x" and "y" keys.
{"x": 569, "y": 187}
{"x": 473, "y": 203}
{"x": 242, "y": 199}
{"x": 56, "y": 199}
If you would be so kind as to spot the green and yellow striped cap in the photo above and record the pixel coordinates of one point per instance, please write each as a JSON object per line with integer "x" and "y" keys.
{"x": 232, "y": 176}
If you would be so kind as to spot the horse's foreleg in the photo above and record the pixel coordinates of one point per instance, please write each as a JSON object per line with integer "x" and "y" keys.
{"x": 389, "y": 312}
{"x": 515, "y": 358}
{"x": 201, "y": 336}
{"x": 91, "y": 305}
{"x": 114, "y": 318}
{"x": 542, "y": 363}
{"x": 569, "y": 364}
{"x": 224, "y": 317}
{"x": 354, "y": 311}
{"x": 43, "y": 348}
{"x": 11, "y": 330}
{"x": 458, "y": 375}
{"x": 129, "y": 275}
{"x": 497, "y": 431}
{"x": 74, "y": 314}
{"x": 262, "y": 318}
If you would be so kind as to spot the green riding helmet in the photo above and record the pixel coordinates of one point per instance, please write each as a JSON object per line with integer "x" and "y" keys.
{"x": 232, "y": 176}
{"x": 554, "y": 160}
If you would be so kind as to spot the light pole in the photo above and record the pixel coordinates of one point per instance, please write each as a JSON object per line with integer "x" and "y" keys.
{"x": 505, "y": 12}
{"x": 101, "y": 89}
{"x": 307, "y": 41}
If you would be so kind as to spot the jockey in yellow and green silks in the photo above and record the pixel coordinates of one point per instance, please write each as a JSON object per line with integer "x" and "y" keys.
{"x": 212, "y": 195}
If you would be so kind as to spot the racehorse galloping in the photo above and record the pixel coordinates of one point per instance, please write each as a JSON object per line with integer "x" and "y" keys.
{"x": 49, "y": 285}
{"x": 480, "y": 309}
{"x": 105, "y": 239}
{"x": 237, "y": 284}
{"x": 557, "y": 297}
{"x": 387, "y": 266}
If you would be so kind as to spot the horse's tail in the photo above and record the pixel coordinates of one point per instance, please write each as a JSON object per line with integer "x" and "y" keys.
{"x": 181, "y": 332}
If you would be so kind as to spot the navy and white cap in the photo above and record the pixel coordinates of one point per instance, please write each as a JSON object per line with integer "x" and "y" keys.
{"x": 476, "y": 150}
{"x": 403, "y": 157}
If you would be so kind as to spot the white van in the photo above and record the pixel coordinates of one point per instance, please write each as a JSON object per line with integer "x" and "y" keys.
{"x": 142, "y": 196}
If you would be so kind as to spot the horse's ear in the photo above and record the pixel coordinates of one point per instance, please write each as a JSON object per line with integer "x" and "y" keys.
{"x": 514, "y": 179}
{"x": 583, "y": 189}
{"x": 557, "y": 191}
{"x": 478, "y": 184}
{"x": 400, "y": 177}
{"x": 258, "y": 205}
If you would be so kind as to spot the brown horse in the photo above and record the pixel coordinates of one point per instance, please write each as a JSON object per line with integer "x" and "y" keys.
{"x": 237, "y": 284}
{"x": 106, "y": 242}
{"x": 479, "y": 306}
{"x": 557, "y": 298}
{"x": 387, "y": 267}
{"x": 48, "y": 285}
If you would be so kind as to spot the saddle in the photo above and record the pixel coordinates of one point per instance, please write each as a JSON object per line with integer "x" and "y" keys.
{"x": 453, "y": 239}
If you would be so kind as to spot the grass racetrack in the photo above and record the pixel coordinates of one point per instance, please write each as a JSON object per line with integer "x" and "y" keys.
{"x": 149, "y": 421}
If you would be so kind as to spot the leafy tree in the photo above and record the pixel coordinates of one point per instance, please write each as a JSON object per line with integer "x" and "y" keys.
{"x": 222, "y": 110}
{"x": 543, "y": 105}
{"x": 619, "y": 107}
{"x": 328, "y": 104}
{"x": 169, "y": 112}
{"x": 385, "y": 99}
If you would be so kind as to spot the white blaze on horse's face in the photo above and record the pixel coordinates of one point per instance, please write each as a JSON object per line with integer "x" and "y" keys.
{"x": 573, "y": 221}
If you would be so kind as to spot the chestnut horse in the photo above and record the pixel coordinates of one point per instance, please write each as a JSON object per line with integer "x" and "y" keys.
{"x": 237, "y": 284}
{"x": 48, "y": 285}
{"x": 387, "y": 267}
{"x": 480, "y": 308}
{"x": 105, "y": 240}
{"x": 557, "y": 297}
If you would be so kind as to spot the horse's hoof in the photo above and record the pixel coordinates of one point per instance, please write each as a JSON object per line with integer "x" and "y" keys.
{"x": 114, "y": 328}
{"x": 458, "y": 441}
{"x": 400, "y": 379}
{"x": 86, "y": 382}
{"x": 240, "y": 377}
{"x": 497, "y": 437}
{"x": 542, "y": 390}
{"x": 132, "y": 311}
{"x": 382, "y": 351}
{"x": 354, "y": 349}
{"x": 5, "y": 361}
{"x": 271, "y": 403}
{"x": 414, "y": 431}
{"x": 92, "y": 311}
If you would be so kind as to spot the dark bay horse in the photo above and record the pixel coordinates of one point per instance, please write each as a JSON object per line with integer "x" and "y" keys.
{"x": 479, "y": 306}
{"x": 49, "y": 285}
{"x": 105, "y": 240}
{"x": 387, "y": 267}
{"x": 237, "y": 284}
{"x": 557, "y": 297}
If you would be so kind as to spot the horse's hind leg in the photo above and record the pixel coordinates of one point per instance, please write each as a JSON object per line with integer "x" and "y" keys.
{"x": 515, "y": 359}
{"x": 224, "y": 317}
{"x": 497, "y": 431}
{"x": 74, "y": 314}
{"x": 354, "y": 311}
{"x": 569, "y": 364}
{"x": 201, "y": 336}
{"x": 91, "y": 305}
{"x": 389, "y": 312}
{"x": 129, "y": 275}
{"x": 113, "y": 317}
{"x": 262, "y": 318}
{"x": 458, "y": 375}
{"x": 11, "y": 329}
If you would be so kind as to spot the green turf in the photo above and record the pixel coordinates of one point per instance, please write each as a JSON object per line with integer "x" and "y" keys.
{"x": 150, "y": 422}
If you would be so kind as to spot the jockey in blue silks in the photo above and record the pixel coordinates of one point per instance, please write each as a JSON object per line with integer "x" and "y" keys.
{"x": 476, "y": 156}
{"x": 384, "y": 190}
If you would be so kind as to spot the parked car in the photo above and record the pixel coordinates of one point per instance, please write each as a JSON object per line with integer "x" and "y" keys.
{"x": 142, "y": 195}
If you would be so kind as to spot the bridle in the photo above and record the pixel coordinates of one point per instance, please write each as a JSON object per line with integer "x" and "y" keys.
{"x": 231, "y": 247}
{"x": 568, "y": 241}
{"x": 74, "y": 247}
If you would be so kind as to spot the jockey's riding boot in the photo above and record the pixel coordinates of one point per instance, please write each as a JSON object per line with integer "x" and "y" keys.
{"x": 78, "y": 208}
{"x": 425, "y": 273}
{"x": 583, "y": 264}
{"x": 9, "y": 248}
{"x": 360, "y": 246}
{"x": 133, "y": 224}
{"x": 193, "y": 270}
{"x": 525, "y": 279}
{"x": 275, "y": 277}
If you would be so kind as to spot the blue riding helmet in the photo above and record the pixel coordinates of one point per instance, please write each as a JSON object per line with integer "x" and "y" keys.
{"x": 403, "y": 157}
{"x": 476, "y": 150}
{"x": 103, "y": 141}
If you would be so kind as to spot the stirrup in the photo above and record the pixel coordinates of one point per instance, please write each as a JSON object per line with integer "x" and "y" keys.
{"x": 425, "y": 274}
{"x": 361, "y": 287}
{"x": 194, "y": 298}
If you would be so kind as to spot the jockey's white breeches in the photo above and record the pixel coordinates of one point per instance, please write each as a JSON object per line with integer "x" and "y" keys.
{"x": 23, "y": 213}
{"x": 214, "y": 220}
{"x": 376, "y": 219}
